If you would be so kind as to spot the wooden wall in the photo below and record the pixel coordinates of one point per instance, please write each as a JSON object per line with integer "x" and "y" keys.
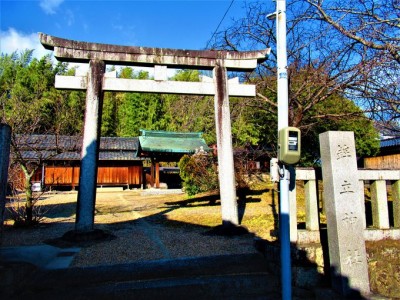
{"x": 111, "y": 175}
{"x": 391, "y": 161}
{"x": 58, "y": 176}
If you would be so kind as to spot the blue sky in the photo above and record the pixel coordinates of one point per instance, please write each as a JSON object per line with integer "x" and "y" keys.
{"x": 166, "y": 24}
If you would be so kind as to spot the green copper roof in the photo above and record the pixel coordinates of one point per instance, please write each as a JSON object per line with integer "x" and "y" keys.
{"x": 172, "y": 142}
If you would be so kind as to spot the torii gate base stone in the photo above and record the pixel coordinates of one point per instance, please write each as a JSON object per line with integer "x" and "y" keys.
{"x": 98, "y": 55}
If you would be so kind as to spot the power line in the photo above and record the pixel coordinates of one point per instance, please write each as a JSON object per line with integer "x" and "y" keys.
{"x": 226, "y": 12}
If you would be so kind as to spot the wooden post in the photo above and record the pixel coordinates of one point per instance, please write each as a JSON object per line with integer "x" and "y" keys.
{"x": 152, "y": 173}
{"x": 5, "y": 140}
{"x": 226, "y": 172}
{"x": 90, "y": 148}
{"x": 157, "y": 179}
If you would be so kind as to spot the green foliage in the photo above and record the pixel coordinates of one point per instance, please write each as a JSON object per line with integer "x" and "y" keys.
{"x": 315, "y": 109}
{"x": 198, "y": 173}
{"x": 187, "y": 75}
{"x": 109, "y": 123}
{"x": 246, "y": 123}
{"x": 339, "y": 114}
{"x": 124, "y": 114}
{"x": 29, "y": 102}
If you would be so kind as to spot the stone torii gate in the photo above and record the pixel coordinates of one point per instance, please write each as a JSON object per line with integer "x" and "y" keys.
{"x": 97, "y": 81}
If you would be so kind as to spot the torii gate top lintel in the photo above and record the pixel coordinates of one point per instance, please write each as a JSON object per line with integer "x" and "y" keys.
{"x": 77, "y": 51}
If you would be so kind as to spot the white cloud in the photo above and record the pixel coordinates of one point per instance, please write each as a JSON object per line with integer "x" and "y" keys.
{"x": 69, "y": 17}
{"x": 50, "y": 6}
{"x": 14, "y": 41}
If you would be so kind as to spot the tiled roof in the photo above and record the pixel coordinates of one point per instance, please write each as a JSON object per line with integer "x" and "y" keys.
{"x": 63, "y": 142}
{"x": 53, "y": 147}
{"x": 118, "y": 155}
{"x": 119, "y": 143}
{"x": 394, "y": 142}
{"x": 48, "y": 142}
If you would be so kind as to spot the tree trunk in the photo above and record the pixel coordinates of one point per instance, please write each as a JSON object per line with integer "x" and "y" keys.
{"x": 29, "y": 203}
{"x": 29, "y": 200}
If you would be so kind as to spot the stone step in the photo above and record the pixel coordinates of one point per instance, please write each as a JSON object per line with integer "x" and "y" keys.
{"x": 242, "y": 276}
{"x": 233, "y": 286}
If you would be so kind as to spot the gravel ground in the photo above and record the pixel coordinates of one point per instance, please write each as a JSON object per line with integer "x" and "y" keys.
{"x": 138, "y": 226}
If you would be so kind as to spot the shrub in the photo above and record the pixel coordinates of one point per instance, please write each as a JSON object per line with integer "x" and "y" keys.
{"x": 17, "y": 212}
{"x": 198, "y": 173}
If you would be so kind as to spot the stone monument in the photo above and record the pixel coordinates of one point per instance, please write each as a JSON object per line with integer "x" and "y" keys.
{"x": 344, "y": 214}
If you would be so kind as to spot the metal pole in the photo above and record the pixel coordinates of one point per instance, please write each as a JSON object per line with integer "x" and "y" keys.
{"x": 283, "y": 121}
{"x": 284, "y": 235}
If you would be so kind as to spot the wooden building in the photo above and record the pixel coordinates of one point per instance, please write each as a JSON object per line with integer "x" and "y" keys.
{"x": 59, "y": 159}
{"x": 120, "y": 158}
{"x": 388, "y": 157}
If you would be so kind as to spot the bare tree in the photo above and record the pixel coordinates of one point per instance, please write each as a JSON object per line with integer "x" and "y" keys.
{"x": 374, "y": 28}
{"x": 320, "y": 71}
{"x": 316, "y": 69}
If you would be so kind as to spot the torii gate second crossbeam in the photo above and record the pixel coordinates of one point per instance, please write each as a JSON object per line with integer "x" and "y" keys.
{"x": 96, "y": 82}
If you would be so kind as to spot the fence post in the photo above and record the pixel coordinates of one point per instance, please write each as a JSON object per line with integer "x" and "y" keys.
{"x": 310, "y": 191}
{"x": 293, "y": 215}
{"x": 379, "y": 203}
{"x": 5, "y": 140}
{"x": 362, "y": 201}
{"x": 396, "y": 203}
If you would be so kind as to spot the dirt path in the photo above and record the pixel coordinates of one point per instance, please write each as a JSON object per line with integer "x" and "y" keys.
{"x": 151, "y": 232}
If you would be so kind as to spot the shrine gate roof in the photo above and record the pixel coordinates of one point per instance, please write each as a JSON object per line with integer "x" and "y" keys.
{"x": 78, "y": 51}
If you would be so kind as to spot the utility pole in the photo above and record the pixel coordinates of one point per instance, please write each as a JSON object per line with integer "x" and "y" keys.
{"x": 283, "y": 122}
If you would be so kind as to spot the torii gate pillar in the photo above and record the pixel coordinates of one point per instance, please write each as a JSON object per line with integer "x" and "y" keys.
{"x": 90, "y": 148}
{"x": 226, "y": 172}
